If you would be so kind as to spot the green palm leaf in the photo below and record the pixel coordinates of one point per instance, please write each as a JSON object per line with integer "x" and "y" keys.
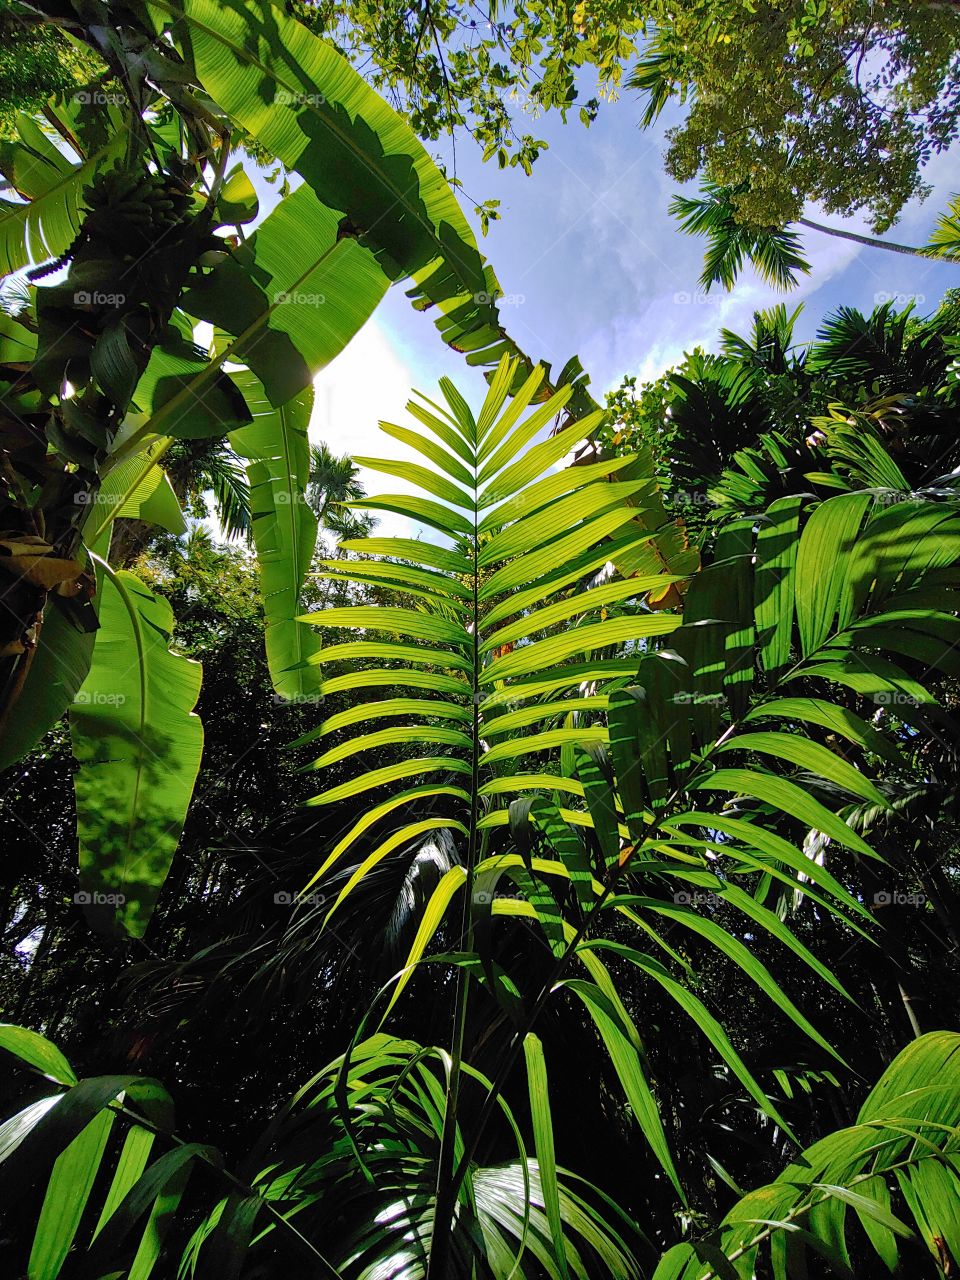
{"x": 773, "y": 251}
{"x": 906, "y": 1137}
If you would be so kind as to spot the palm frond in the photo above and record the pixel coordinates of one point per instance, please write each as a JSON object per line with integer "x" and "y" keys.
{"x": 892, "y": 1176}
{"x": 774, "y": 252}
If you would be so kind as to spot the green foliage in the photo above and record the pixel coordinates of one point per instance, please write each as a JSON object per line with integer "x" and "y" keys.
{"x": 772, "y": 251}
{"x": 945, "y": 240}
{"x": 47, "y": 217}
{"x": 36, "y": 66}
{"x": 114, "y": 381}
{"x": 833, "y": 103}
{"x": 373, "y": 1121}
{"x": 489, "y": 73}
{"x": 574, "y": 784}
{"x": 817, "y": 607}
{"x": 283, "y": 526}
{"x": 809, "y": 100}
{"x": 905, "y": 1140}
{"x": 138, "y": 745}
{"x": 770, "y": 417}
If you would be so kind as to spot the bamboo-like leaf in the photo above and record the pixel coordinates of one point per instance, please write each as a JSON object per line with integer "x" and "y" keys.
{"x": 520, "y": 719}
{"x": 534, "y": 462}
{"x": 424, "y": 478}
{"x": 390, "y": 773}
{"x": 525, "y": 569}
{"x": 36, "y": 1051}
{"x": 495, "y": 420}
{"x": 824, "y": 559}
{"x": 695, "y": 1008}
{"x": 451, "y": 883}
{"x": 525, "y": 432}
{"x": 774, "y": 591}
{"x": 626, "y": 1061}
{"x": 547, "y": 523}
{"x": 444, "y": 519}
{"x": 396, "y": 840}
{"x": 829, "y": 716}
{"x": 400, "y": 677}
{"x": 907, "y": 1122}
{"x": 131, "y": 1163}
{"x": 807, "y": 755}
{"x": 548, "y": 741}
{"x": 374, "y": 814}
{"x": 405, "y": 622}
{"x": 160, "y": 1221}
{"x": 444, "y": 588}
{"x": 551, "y": 487}
{"x": 751, "y": 966}
{"x": 573, "y": 571}
{"x": 755, "y": 835}
{"x": 539, "y": 1090}
{"x": 443, "y": 605}
{"x": 429, "y": 707}
{"x": 396, "y": 734}
{"x": 543, "y": 654}
{"x": 421, "y": 553}
{"x": 376, "y": 650}
{"x": 439, "y": 455}
{"x": 787, "y": 797}
{"x": 66, "y": 1198}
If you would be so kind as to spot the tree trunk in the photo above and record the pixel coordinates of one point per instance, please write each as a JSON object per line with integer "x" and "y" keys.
{"x": 872, "y": 242}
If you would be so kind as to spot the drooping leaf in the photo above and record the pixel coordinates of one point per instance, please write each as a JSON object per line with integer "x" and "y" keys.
{"x": 138, "y": 744}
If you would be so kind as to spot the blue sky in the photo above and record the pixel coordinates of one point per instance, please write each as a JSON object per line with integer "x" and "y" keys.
{"x": 593, "y": 265}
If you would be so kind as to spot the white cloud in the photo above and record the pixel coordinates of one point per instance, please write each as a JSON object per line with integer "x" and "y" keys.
{"x": 367, "y": 382}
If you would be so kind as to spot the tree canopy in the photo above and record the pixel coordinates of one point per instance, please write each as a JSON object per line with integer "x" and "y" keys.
{"x": 559, "y": 881}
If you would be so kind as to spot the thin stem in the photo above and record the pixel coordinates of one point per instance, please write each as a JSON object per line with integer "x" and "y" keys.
{"x": 872, "y": 242}
{"x": 447, "y": 1183}
{"x": 507, "y": 1063}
